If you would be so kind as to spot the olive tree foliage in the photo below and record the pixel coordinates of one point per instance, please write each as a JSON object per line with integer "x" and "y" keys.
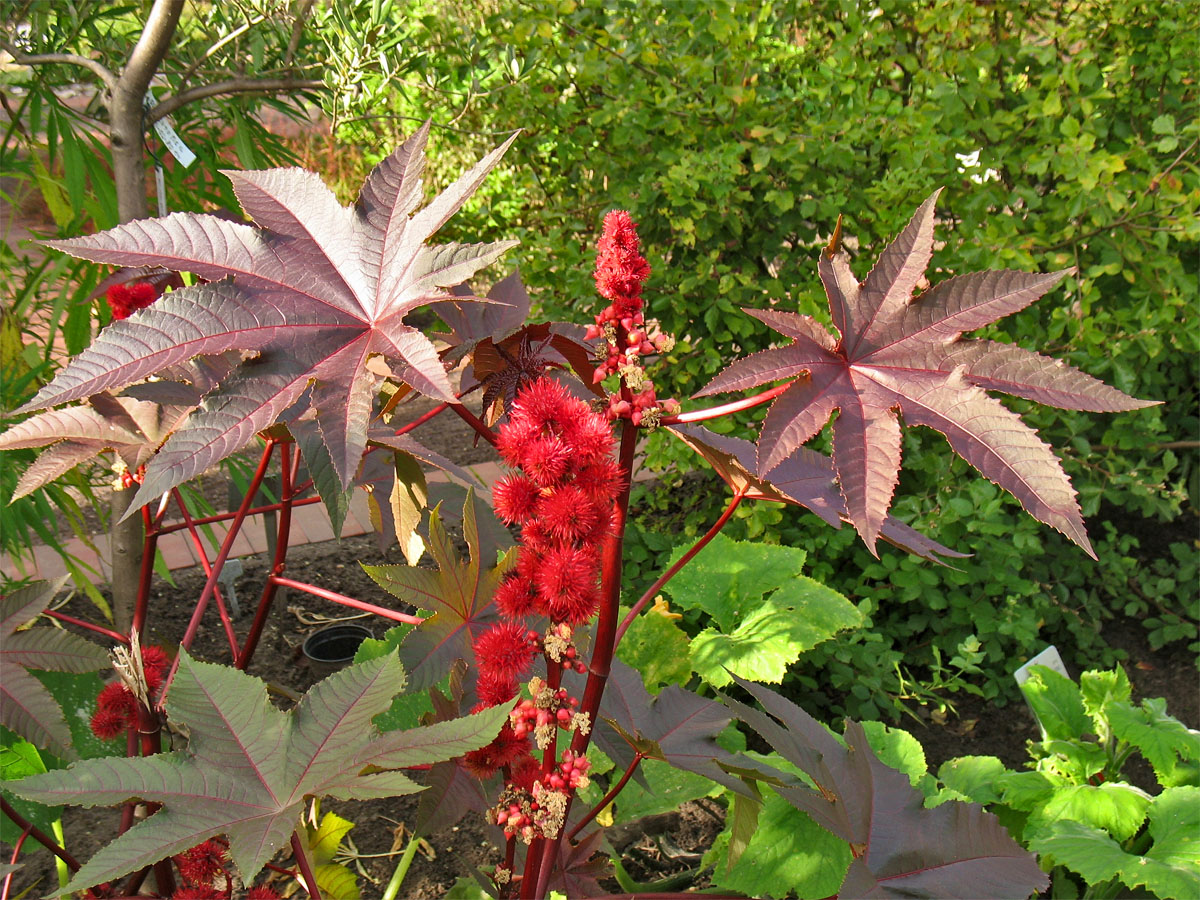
{"x": 1064, "y": 136}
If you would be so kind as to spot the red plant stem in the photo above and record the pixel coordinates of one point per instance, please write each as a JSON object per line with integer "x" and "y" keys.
{"x": 150, "y": 732}
{"x": 15, "y": 856}
{"x": 713, "y": 412}
{"x": 471, "y": 419}
{"x": 283, "y": 535}
{"x": 98, "y": 629}
{"x": 421, "y": 420}
{"x": 225, "y": 517}
{"x": 134, "y": 884}
{"x": 606, "y": 632}
{"x": 226, "y": 546}
{"x": 347, "y": 601}
{"x": 38, "y": 835}
{"x": 149, "y": 550}
{"x": 207, "y": 566}
{"x": 310, "y": 880}
{"x": 666, "y": 576}
{"x": 607, "y": 798}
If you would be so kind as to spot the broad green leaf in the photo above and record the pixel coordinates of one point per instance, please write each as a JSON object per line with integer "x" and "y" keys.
{"x": 324, "y": 840}
{"x": 1100, "y": 690}
{"x": 336, "y": 881}
{"x": 1161, "y": 738}
{"x": 407, "y": 708}
{"x": 727, "y": 578}
{"x": 249, "y": 767}
{"x": 898, "y": 749}
{"x": 19, "y": 758}
{"x": 1117, "y": 808}
{"x": 788, "y": 853}
{"x": 657, "y": 647}
{"x": 1058, "y": 704}
{"x": 974, "y": 777}
{"x": 798, "y": 616}
{"x": 668, "y": 788}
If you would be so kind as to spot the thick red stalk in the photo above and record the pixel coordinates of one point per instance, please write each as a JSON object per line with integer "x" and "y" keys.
{"x": 473, "y": 420}
{"x": 422, "y": 419}
{"x": 207, "y": 566}
{"x": 666, "y": 576}
{"x": 38, "y": 835}
{"x": 607, "y": 798}
{"x": 310, "y": 880}
{"x": 713, "y": 412}
{"x": 149, "y": 549}
{"x": 189, "y": 635}
{"x": 98, "y": 629}
{"x": 283, "y": 535}
{"x": 347, "y": 601}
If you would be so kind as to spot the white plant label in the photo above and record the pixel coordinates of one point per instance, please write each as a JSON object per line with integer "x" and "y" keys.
{"x": 172, "y": 141}
{"x": 1049, "y": 658}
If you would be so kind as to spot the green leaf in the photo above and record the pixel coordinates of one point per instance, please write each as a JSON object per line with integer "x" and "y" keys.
{"x": 324, "y": 841}
{"x": 668, "y": 787}
{"x": 795, "y": 618}
{"x": 1081, "y": 848}
{"x": 1161, "y": 738}
{"x": 657, "y": 647}
{"x": 727, "y": 578}
{"x": 899, "y": 750}
{"x": 1114, "y": 807}
{"x": 407, "y": 709}
{"x": 19, "y": 758}
{"x": 1058, "y": 704}
{"x": 1100, "y": 689}
{"x": 788, "y": 852}
{"x": 975, "y": 777}
{"x": 336, "y": 881}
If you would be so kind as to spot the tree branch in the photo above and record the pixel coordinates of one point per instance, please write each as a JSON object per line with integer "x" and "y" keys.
{"x": 303, "y": 10}
{"x": 229, "y": 87}
{"x": 68, "y": 59}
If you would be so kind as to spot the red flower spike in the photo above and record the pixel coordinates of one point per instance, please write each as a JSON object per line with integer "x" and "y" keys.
{"x": 154, "y": 657}
{"x": 524, "y": 772}
{"x": 515, "y": 597}
{"x": 620, "y": 268}
{"x": 494, "y": 689}
{"x": 569, "y": 514}
{"x": 602, "y": 480}
{"x": 566, "y": 575}
{"x": 116, "y": 697}
{"x": 198, "y": 892}
{"x": 515, "y": 499}
{"x": 126, "y": 299}
{"x": 575, "y": 609}
{"x": 261, "y": 892}
{"x": 545, "y": 460}
{"x": 503, "y": 650}
{"x": 514, "y": 441}
{"x": 109, "y": 723}
{"x": 546, "y": 404}
{"x": 202, "y": 863}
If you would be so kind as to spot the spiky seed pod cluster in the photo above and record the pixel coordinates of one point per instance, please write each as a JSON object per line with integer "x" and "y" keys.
{"x": 126, "y": 299}
{"x": 116, "y": 707}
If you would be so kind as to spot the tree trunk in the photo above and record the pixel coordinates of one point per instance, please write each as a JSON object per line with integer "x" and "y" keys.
{"x": 129, "y": 175}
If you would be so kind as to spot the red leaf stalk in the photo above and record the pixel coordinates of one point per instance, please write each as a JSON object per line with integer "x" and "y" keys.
{"x": 346, "y": 601}
{"x": 255, "y": 511}
{"x": 725, "y": 409}
{"x": 207, "y": 566}
{"x": 16, "y": 854}
{"x": 38, "y": 835}
{"x": 283, "y": 535}
{"x": 98, "y": 629}
{"x": 309, "y": 879}
{"x": 607, "y": 798}
{"x": 226, "y": 547}
{"x": 666, "y": 576}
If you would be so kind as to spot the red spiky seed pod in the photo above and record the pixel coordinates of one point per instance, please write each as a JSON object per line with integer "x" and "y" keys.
{"x": 503, "y": 650}
{"x": 262, "y": 892}
{"x": 108, "y": 723}
{"x": 202, "y": 863}
{"x": 505, "y": 749}
{"x": 515, "y": 597}
{"x": 515, "y": 498}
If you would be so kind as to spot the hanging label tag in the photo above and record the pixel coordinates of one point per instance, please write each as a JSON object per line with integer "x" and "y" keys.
{"x": 166, "y": 133}
{"x": 1049, "y": 658}
{"x": 160, "y": 186}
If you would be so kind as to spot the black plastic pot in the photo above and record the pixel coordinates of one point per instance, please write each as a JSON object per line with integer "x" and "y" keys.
{"x": 333, "y": 647}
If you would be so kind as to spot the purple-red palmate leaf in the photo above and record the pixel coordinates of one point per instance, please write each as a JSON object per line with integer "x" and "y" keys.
{"x": 459, "y": 594}
{"x": 26, "y": 707}
{"x": 675, "y": 727}
{"x": 897, "y": 356}
{"x": 899, "y": 848}
{"x": 318, "y": 290}
{"x": 806, "y": 478}
{"x": 133, "y": 425}
{"x": 248, "y": 766}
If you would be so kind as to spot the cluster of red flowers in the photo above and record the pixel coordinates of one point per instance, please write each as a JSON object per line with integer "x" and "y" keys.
{"x": 116, "y": 707}
{"x": 621, "y": 271}
{"x": 562, "y": 498}
{"x": 203, "y": 866}
{"x": 126, "y": 299}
